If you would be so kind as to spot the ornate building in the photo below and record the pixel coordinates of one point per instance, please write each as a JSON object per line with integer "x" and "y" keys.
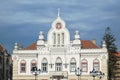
{"x": 58, "y": 56}
{"x": 5, "y": 64}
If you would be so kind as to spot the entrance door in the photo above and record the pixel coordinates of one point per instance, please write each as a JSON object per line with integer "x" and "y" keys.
{"x": 58, "y": 78}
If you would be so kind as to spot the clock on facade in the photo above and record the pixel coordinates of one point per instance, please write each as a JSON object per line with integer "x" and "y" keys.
{"x": 58, "y": 26}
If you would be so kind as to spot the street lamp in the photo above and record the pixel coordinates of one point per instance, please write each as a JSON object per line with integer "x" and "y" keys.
{"x": 93, "y": 73}
{"x": 78, "y": 72}
{"x": 100, "y": 75}
{"x": 35, "y": 72}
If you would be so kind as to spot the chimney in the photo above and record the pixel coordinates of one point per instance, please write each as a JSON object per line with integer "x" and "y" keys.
{"x": 94, "y": 41}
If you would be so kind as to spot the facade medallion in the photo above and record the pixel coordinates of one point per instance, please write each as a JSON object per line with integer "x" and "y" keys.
{"x": 58, "y": 26}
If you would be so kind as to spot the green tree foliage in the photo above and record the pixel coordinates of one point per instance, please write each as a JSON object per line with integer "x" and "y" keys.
{"x": 110, "y": 41}
{"x": 112, "y": 49}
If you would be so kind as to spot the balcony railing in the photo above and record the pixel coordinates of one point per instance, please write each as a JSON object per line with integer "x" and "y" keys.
{"x": 58, "y": 73}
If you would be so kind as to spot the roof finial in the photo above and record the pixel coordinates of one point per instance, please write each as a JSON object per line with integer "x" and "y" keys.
{"x": 58, "y": 12}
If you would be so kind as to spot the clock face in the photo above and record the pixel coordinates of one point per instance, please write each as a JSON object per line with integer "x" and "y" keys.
{"x": 58, "y": 26}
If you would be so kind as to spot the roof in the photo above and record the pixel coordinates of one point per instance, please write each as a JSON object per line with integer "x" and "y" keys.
{"x": 1, "y": 48}
{"x": 86, "y": 44}
{"x": 118, "y": 54}
{"x": 32, "y": 46}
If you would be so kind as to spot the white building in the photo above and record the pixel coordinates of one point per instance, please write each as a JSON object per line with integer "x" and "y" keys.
{"x": 58, "y": 56}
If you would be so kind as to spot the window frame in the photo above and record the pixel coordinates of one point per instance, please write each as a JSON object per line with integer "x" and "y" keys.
{"x": 58, "y": 64}
{"x": 21, "y": 66}
{"x": 33, "y": 62}
{"x": 58, "y": 67}
{"x": 73, "y": 66}
{"x": 96, "y": 61}
{"x": 84, "y": 61}
{"x": 86, "y": 67}
{"x": 44, "y": 65}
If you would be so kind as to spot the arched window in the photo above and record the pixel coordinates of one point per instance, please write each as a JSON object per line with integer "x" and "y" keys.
{"x": 72, "y": 65}
{"x": 58, "y": 64}
{"x": 96, "y": 64}
{"x": 84, "y": 65}
{"x": 44, "y": 65}
{"x": 33, "y": 64}
{"x": 23, "y": 66}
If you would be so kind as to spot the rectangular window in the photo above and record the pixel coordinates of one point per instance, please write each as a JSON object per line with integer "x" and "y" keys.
{"x": 63, "y": 39}
{"x": 44, "y": 67}
{"x": 33, "y": 65}
{"x": 58, "y": 67}
{"x": 84, "y": 67}
{"x": 54, "y": 38}
{"x": 58, "y": 39}
{"x": 23, "y": 67}
{"x": 96, "y": 66}
{"x": 72, "y": 67}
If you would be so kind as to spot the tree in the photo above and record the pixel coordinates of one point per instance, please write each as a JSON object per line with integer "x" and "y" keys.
{"x": 110, "y": 41}
{"x": 112, "y": 49}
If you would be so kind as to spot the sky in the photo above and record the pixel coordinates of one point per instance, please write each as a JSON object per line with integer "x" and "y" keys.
{"x": 22, "y": 20}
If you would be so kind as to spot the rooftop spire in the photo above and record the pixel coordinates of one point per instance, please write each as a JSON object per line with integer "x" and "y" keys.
{"x": 58, "y": 12}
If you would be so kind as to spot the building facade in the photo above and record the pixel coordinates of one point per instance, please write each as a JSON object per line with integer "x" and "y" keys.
{"x": 117, "y": 67}
{"x": 58, "y": 56}
{"x": 5, "y": 64}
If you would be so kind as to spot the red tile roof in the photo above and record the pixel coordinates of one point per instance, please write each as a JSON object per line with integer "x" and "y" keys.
{"x": 118, "y": 54}
{"x": 1, "y": 48}
{"x": 86, "y": 44}
{"x": 31, "y": 47}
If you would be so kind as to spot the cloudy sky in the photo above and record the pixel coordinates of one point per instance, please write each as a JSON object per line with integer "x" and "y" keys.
{"x": 22, "y": 20}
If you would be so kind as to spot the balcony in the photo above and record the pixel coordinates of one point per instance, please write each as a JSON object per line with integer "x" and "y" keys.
{"x": 63, "y": 74}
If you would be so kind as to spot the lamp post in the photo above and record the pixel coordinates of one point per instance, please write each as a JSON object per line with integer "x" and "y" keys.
{"x": 35, "y": 72}
{"x": 78, "y": 72}
{"x": 93, "y": 73}
{"x": 100, "y": 75}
